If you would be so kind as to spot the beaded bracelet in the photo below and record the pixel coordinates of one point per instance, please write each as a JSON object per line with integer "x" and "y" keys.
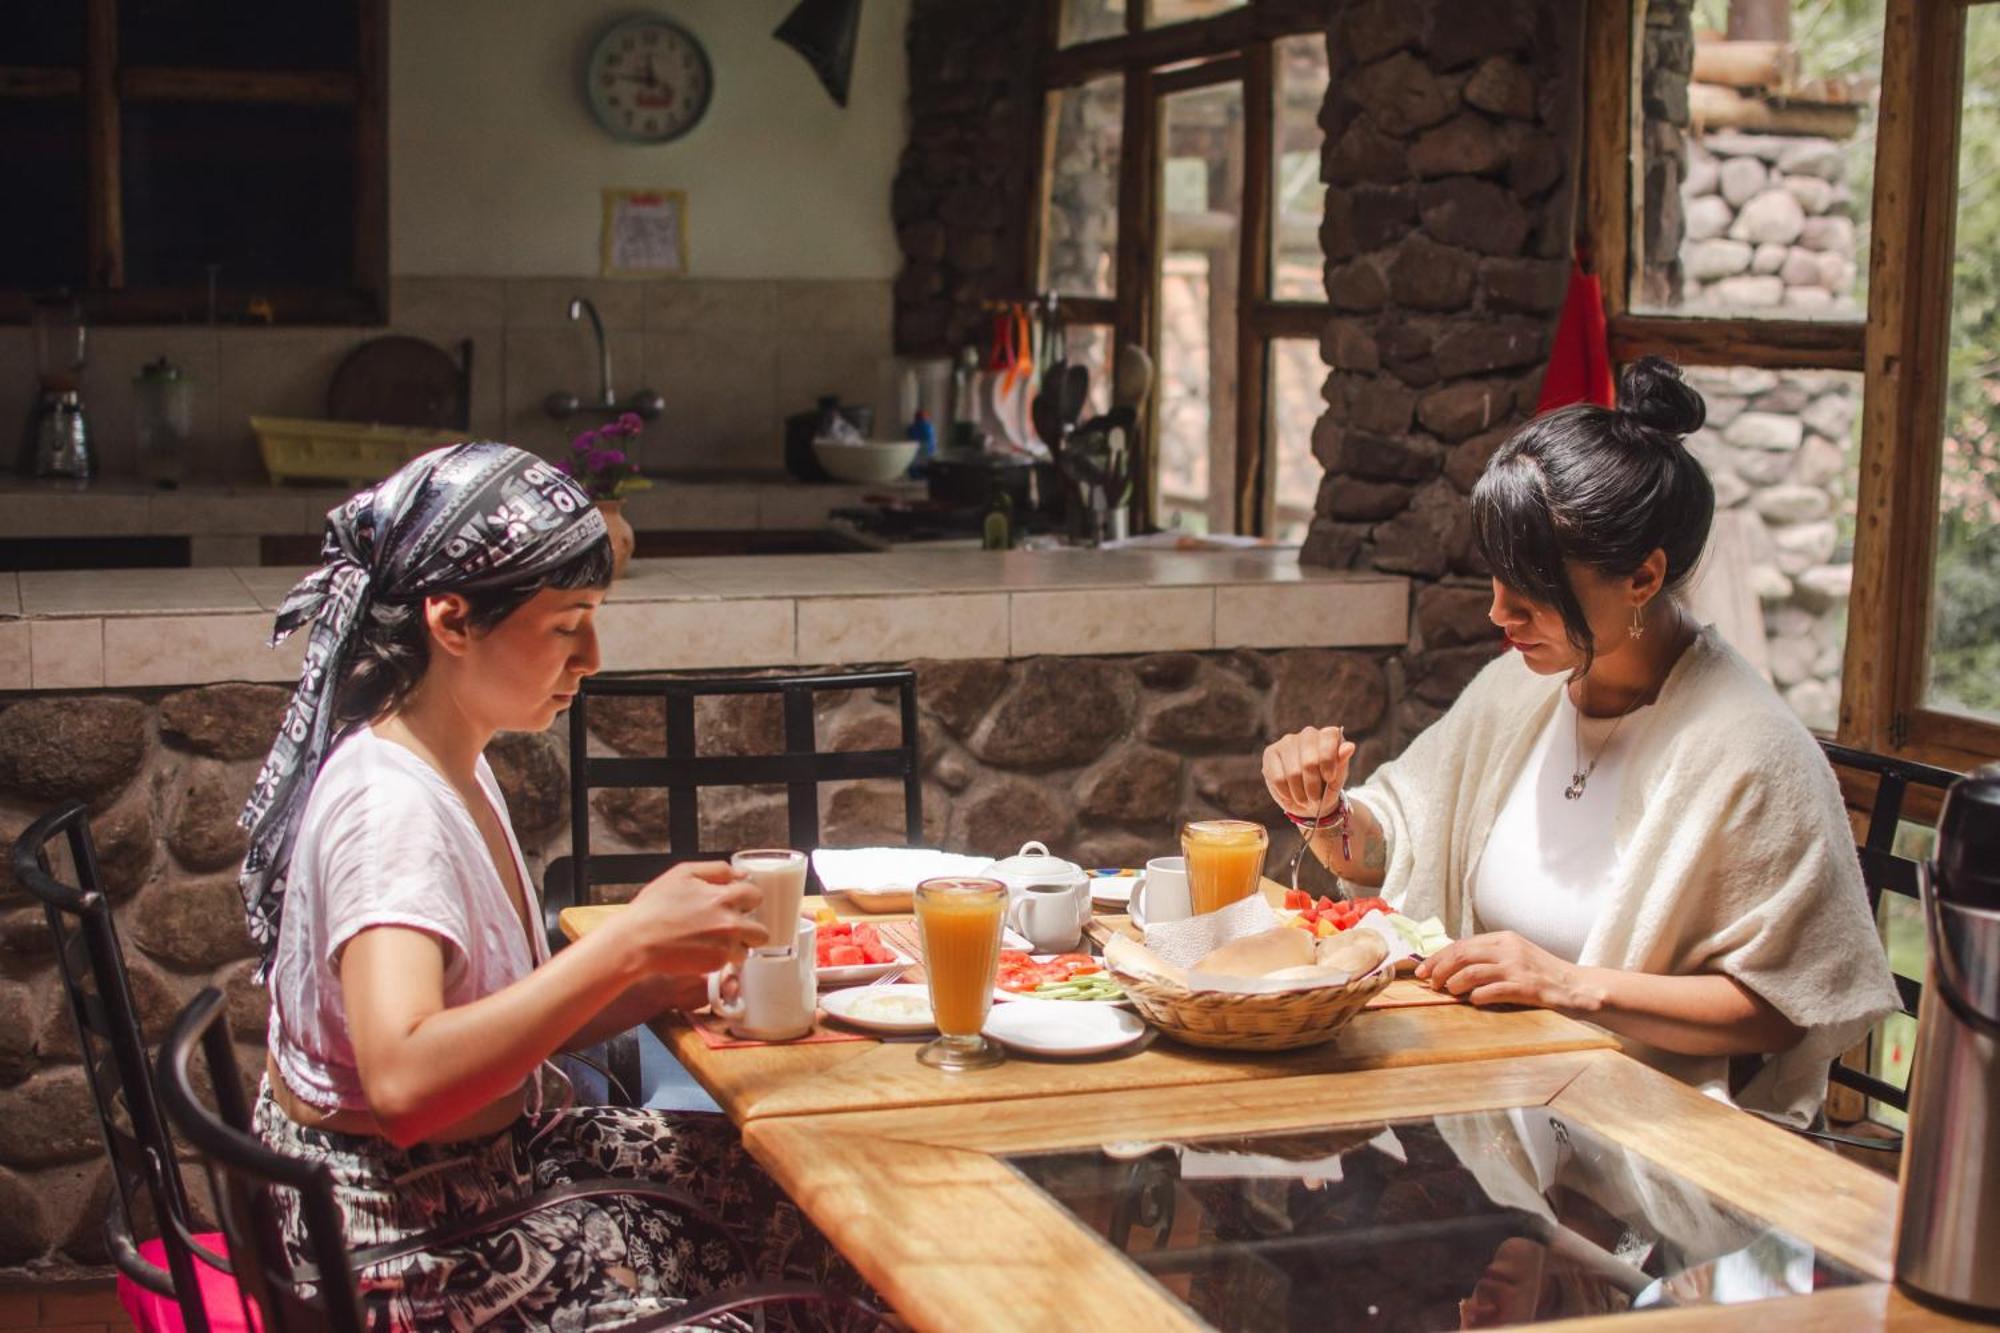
{"x": 1310, "y": 826}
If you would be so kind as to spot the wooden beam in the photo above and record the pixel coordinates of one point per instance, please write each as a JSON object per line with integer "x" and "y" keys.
{"x": 35, "y": 81}
{"x": 1138, "y": 272}
{"x": 1225, "y": 69}
{"x": 1950, "y": 740}
{"x": 1222, "y": 35}
{"x": 309, "y": 87}
{"x": 1910, "y": 259}
{"x": 1746, "y": 64}
{"x": 104, "y": 224}
{"x": 1253, "y": 447}
{"x": 1775, "y": 344}
{"x": 1713, "y": 107}
{"x": 1290, "y": 319}
{"x": 1608, "y": 184}
{"x": 1088, "y": 309}
{"x": 371, "y": 155}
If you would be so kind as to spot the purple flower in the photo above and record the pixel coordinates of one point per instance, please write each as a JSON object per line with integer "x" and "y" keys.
{"x": 564, "y": 466}
{"x": 628, "y": 423}
{"x": 602, "y": 460}
{"x": 583, "y": 441}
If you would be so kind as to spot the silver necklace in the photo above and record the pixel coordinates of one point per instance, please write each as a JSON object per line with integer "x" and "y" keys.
{"x": 1579, "y": 778}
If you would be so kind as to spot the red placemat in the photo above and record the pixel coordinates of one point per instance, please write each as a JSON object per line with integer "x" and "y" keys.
{"x": 717, "y": 1037}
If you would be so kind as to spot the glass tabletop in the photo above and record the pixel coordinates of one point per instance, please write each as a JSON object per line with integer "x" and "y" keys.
{"x": 1460, "y": 1221}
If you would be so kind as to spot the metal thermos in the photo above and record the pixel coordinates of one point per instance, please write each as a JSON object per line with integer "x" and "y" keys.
{"x": 1948, "y": 1228}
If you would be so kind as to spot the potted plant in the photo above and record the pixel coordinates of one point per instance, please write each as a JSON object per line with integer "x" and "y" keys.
{"x": 598, "y": 463}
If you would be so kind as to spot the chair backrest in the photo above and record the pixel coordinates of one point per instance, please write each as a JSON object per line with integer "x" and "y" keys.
{"x": 683, "y": 772}
{"x": 92, "y": 966}
{"x": 243, "y": 1173}
{"x": 1882, "y": 871}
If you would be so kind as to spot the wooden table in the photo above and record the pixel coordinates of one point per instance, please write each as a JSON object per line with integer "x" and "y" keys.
{"x": 922, "y": 1202}
{"x": 824, "y": 1078}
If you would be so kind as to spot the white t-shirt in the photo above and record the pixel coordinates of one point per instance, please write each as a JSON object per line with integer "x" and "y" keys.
{"x": 386, "y": 840}
{"x": 1549, "y": 860}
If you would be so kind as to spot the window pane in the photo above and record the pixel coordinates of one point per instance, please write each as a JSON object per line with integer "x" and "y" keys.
{"x": 1201, "y": 193}
{"x": 41, "y": 230}
{"x": 1756, "y": 159}
{"x": 1159, "y": 13}
{"x": 265, "y": 191}
{"x": 1088, "y": 20}
{"x": 1296, "y": 375}
{"x": 227, "y": 34}
{"x": 1297, "y": 266}
{"x": 1080, "y": 228}
{"x": 49, "y": 32}
{"x": 1781, "y": 447}
{"x": 1965, "y": 612}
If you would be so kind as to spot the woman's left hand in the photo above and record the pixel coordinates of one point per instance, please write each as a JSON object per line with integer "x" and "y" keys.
{"x": 1503, "y": 968}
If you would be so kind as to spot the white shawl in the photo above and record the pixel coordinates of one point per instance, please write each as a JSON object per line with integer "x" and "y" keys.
{"x": 1735, "y": 853}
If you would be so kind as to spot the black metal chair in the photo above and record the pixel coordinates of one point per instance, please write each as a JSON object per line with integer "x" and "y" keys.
{"x": 322, "y": 1293}
{"x": 682, "y": 772}
{"x": 144, "y": 1170}
{"x": 1882, "y": 871}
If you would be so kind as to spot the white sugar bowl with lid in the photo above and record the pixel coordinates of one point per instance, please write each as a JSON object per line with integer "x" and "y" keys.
{"x": 1048, "y": 898}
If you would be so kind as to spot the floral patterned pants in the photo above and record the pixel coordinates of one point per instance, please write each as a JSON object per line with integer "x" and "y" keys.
{"x": 597, "y": 1263}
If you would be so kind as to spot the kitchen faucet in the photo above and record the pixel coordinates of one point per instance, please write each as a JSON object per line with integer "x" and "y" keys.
{"x": 562, "y": 404}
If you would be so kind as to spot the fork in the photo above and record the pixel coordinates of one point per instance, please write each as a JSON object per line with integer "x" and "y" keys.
{"x": 890, "y": 976}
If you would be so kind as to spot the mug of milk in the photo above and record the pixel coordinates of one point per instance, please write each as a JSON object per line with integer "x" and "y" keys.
{"x": 780, "y": 873}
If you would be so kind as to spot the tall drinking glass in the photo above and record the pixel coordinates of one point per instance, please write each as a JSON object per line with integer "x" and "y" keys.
{"x": 780, "y": 873}
{"x": 960, "y": 922}
{"x": 1225, "y": 861}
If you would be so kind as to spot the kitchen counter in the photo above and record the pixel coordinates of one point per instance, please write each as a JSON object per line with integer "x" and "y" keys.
{"x": 168, "y": 627}
{"x": 223, "y": 523}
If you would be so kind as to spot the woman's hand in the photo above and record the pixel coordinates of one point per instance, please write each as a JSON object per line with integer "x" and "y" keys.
{"x": 1305, "y": 771}
{"x": 1503, "y": 968}
{"x": 694, "y": 918}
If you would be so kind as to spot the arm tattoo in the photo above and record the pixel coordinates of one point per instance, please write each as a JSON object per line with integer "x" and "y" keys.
{"x": 1374, "y": 851}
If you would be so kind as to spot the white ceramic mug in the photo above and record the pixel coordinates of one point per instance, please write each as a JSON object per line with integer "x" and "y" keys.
{"x": 1049, "y": 915}
{"x": 777, "y": 991}
{"x": 1163, "y": 894}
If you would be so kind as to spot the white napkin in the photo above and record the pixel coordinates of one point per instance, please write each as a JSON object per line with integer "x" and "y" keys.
{"x": 889, "y": 867}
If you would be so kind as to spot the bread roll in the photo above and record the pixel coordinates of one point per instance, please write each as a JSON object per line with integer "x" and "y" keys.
{"x": 1314, "y": 973}
{"x": 1351, "y": 951}
{"x": 1258, "y": 955}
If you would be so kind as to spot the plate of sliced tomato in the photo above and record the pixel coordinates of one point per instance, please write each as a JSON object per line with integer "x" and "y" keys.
{"x": 1056, "y": 977}
{"x": 1326, "y": 916}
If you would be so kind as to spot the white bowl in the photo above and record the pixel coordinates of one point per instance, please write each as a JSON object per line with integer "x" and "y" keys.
{"x": 883, "y": 461}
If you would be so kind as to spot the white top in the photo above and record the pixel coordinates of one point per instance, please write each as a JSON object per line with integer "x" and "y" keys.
{"x": 386, "y": 840}
{"x": 1550, "y": 861}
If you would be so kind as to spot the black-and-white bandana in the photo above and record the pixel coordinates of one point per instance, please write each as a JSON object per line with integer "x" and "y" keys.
{"x": 459, "y": 519}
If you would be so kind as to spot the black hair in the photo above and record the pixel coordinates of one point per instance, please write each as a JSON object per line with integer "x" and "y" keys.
{"x": 1602, "y": 486}
{"x": 392, "y": 647}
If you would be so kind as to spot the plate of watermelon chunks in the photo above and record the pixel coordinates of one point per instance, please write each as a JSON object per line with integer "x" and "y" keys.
{"x": 851, "y": 953}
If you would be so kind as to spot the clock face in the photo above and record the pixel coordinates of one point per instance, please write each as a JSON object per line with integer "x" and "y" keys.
{"x": 648, "y": 80}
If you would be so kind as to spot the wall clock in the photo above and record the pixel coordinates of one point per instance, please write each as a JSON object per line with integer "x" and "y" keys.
{"x": 647, "y": 80}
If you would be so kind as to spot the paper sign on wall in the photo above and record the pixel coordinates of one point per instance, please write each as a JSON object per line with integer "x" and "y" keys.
{"x": 645, "y": 234}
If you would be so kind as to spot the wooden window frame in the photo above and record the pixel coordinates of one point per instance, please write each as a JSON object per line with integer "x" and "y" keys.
{"x": 105, "y": 85}
{"x": 1153, "y": 62}
{"x": 1883, "y": 676}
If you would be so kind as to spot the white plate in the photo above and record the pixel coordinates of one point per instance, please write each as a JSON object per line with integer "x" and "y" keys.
{"x": 899, "y": 1007}
{"x": 1113, "y": 890}
{"x": 861, "y": 973}
{"x": 1064, "y": 1029}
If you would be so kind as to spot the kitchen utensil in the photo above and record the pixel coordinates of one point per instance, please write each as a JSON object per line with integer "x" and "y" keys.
{"x": 403, "y": 381}
{"x": 163, "y": 418}
{"x": 1075, "y": 392}
{"x": 58, "y": 439}
{"x": 62, "y": 438}
{"x": 1132, "y": 377}
{"x": 867, "y": 463}
{"x": 1948, "y": 1228}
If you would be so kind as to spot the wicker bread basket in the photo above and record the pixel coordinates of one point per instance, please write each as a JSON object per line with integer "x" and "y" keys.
{"x": 1273, "y": 1021}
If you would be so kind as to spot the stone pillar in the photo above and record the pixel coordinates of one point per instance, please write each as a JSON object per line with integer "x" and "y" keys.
{"x": 967, "y": 171}
{"x": 1449, "y": 131}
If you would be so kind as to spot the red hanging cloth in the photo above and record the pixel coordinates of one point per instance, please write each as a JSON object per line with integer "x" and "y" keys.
{"x": 1580, "y": 362}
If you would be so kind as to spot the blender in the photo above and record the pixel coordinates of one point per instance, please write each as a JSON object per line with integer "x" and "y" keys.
{"x": 58, "y": 435}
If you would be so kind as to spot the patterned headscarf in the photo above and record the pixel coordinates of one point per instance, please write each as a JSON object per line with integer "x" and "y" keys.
{"x": 459, "y": 519}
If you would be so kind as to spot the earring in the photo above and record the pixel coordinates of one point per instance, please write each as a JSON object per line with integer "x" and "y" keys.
{"x": 1637, "y": 628}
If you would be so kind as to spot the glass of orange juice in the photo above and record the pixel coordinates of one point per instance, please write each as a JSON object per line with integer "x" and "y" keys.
{"x": 1225, "y": 861}
{"x": 960, "y": 920}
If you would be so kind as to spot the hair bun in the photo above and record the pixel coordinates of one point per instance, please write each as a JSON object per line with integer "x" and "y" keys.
{"x": 1652, "y": 392}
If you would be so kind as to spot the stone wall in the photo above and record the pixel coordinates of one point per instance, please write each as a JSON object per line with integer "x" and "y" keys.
{"x": 963, "y": 180}
{"x": 1100, "y": 757}
{"x": 1448, "y": 222}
